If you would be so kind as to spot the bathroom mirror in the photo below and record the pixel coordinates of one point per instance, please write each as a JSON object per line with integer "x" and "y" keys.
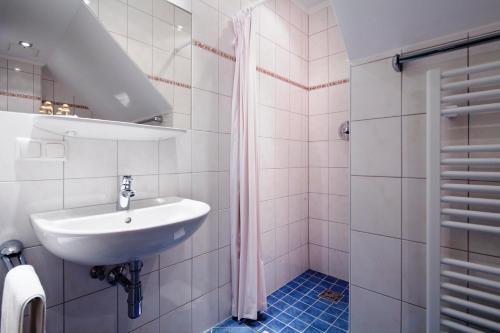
{"x": 106, "y": 59}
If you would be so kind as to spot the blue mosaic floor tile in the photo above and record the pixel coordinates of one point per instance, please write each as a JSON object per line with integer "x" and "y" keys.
{"x": 299, "y": 325}
{"x": 297, "y": 308}
{"x": 275, "y": 325}
{"x": 288, "y": 329}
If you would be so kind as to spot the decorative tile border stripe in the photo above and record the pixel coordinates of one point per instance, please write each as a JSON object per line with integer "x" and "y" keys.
{"x": 214, "y": 50}
{"x": 25, "y": 96}
{"x": 329, "y": 84}
{"x": 282, "y": 78}
{"x": 268, "y": 72}
{"x": 39, "y": 98}
{"x": 175, "y": 83}
{"x": 71, "y": 105}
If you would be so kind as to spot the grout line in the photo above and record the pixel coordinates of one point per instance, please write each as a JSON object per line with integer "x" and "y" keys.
{"x": 262, "y": 70}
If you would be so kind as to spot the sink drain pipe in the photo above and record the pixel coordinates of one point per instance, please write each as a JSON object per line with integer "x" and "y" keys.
{"x": 132, "y": 285}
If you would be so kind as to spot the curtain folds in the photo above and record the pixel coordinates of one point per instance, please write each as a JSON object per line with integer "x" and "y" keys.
{"x": 247, "y": 268}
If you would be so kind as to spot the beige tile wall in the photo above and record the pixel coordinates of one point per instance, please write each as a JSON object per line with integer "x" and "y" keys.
{"x": 388, "y": 188}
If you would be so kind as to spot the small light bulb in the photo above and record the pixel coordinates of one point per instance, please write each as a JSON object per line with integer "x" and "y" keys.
{"x": 180, "y": 27}
{"x": 17, "y": 69}
{"x": 25, "y": 44}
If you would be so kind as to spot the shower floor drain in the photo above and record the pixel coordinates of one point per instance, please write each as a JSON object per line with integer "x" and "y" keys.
{"x": 330, "y": 296}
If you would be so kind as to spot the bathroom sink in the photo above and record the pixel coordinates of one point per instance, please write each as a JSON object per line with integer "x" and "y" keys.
{"x": 101, "y": 235}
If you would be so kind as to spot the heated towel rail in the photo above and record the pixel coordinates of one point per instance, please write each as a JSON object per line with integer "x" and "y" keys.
{"x": 463, "y": 193}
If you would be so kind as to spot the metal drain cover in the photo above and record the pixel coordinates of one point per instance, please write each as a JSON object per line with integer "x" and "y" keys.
{"x": 330, "y": 296}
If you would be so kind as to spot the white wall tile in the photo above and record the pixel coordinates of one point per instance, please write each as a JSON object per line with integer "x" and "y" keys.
{"x": 206, "y": 309}
{"x": 205, "y": 70}
{"x": 414, "y": 273}
{"x": 318, "y": 258}
{"x": 49, "y": 269}
{"x": 204, "y": 187}
{"x": 338, "y": 181}
{"x": 376, "y": 90}
{"x": 318, "y": 21}
{"x": 339, "y": 209}
{"x": 93, "y": 313}
{"x": 19, "y": 199}
{"x": 176, "y": 185}
{"x": 413, "y": 209}
{"x": 412, "y": 318}
{"x": 282, "y": 240}
{"x": 225, "y": 302}
{"x": 204, "y": 151}
{"x": 376, "y": 263}
{"x": 318, "y": 45}
{"x": 338, "y": 66}
{"x": 318, "y": 206}
{"x": 203, "y": 18}
{"x": 205, "y": 110}
{"x": 413, "y": 145}
{"x": 139, "y": 26}
{"x": 226, "y": 76}
{"x": 175, "y": 154}
{"x": 224, "y": 266}
{"x": 338, "y": 236}
{"x": 89, "y": 191}
{"x": 205, "y": 273}
{"x": 90, "y": 158}
{"x": 376, "y": 147}
{"x": 205, "y": 239}
{"x": 113, "y": 14}
{"x": 339, "y": 264}
{"x": 177, "y": 321}
{"x": 176, "y": 254}
{"x": 175, "y": 286}
{"x": 372, "y": 312}
{"x": 281, "y": 209}
{"x": 338, "y": 98}
{"x": 137, "y": 157}
{"x": 318, "y": 232}
{"x": 376, "y": 203}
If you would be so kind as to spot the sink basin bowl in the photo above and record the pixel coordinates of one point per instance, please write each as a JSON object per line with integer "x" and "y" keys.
{"x": 101, "y": 235}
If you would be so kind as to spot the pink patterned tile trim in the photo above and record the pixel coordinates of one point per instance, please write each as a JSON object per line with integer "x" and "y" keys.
{"x": 267, "y": 72}
{"x": 25, "y": 96}
{"x": 167, "y": 81}
{"x": 39, "y": 98}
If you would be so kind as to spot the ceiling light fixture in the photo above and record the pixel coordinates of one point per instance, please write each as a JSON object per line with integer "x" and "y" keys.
{"x": 17, "y": 69}
{"x": 179, "y": 28}
{"x": 25, "y": 44}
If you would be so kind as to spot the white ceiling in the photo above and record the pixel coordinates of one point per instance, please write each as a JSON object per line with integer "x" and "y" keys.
{"x": 370, "y": 27}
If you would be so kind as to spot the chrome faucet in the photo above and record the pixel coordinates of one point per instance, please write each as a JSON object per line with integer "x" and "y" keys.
{"x": 125, "y": 192}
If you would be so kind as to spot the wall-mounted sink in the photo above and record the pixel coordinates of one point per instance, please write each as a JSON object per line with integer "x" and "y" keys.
{"x": 101, "y": 235}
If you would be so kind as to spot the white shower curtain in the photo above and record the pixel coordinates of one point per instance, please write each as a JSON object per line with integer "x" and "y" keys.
{"x": 247, "y": 268}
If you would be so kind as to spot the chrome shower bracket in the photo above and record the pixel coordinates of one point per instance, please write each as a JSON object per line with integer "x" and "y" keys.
{"x": 12, "y": 249}
{"x": 344, "y": 130}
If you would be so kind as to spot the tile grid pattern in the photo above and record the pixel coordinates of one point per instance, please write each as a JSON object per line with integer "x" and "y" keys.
{"x": 328, "y": 154}
{"x": 388, "y": 187}
{"x": 194, "y": 165}
{"x": 296, "y": 307}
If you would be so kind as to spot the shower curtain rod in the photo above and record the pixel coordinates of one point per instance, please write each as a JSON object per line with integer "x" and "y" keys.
{"x": 399, "y": 59}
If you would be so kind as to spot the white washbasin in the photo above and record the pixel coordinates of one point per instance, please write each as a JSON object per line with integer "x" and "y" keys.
{"x": 101, "y": 235}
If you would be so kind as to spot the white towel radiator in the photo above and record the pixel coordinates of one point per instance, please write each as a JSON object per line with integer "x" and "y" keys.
{"x": 462, "y": 295}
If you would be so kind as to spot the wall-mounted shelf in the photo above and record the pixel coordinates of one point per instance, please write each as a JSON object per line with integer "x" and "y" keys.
{"x": 102, "y": 129}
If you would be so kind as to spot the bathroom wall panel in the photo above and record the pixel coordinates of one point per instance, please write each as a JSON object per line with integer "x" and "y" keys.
{"x": 404, "y": 103}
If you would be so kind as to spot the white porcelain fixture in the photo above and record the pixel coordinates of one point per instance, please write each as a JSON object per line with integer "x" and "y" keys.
{"x": 101, "y": 235}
